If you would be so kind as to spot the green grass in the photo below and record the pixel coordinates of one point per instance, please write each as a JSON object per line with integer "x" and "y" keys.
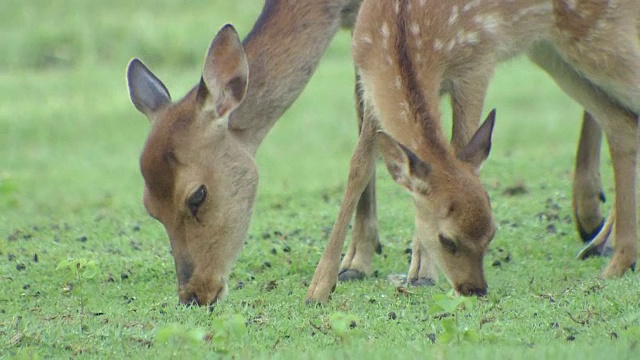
{"x": 70, "y": 188}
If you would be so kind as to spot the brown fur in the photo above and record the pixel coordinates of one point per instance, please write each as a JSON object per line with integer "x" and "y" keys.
{"x": 209, "y": 138}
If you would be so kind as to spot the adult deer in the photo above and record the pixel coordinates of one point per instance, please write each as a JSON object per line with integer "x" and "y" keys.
{"x": 198, "y": 162}
{"x": 407, "y": 52}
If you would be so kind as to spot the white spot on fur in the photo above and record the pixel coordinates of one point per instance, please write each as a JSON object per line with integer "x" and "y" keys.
{"x": 488, "y": 22}
{"x": 423, "y": 3}
{"x": 398, "y": 82}
{"x": 469, "y": 38}
{"x": 384, "y": 30}
{"x": 541, "y": 9}
{"x": 571, "y": 4}
{"x": 366, "y": 39}
{"x": 419, "y": 43}
{"x": 388, "y": 59}
{"x": 404, "y": 111}
{"x": 471, "y": 4}
{"x": 451, "y": 45}
{"x": 454, "y": 15}
{"x": 396, "y": 6}
{"x": 415, "y": 29}
{"x": 437, "y": 45}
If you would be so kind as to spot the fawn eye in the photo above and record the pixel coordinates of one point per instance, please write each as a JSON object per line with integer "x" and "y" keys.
{"x": 196, "y": 199}
{"x": 448, "y": 244}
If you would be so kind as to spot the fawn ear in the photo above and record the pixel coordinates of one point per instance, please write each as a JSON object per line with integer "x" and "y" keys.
{"x": 146, "y": 91}
{"x": 225, "y": 74}
{"x": 477, "y": 150}
{"x": 404, "y": 166}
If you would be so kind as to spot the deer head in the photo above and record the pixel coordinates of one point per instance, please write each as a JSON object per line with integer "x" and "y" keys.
{"x": 453, "y": 212}
{"x": 200, "y": 181}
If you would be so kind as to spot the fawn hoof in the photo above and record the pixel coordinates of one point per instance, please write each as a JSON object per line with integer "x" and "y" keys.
{"x": 351, "y": 275}
{"x": 318, "y": 296}
{"x": 589, "y": 236}
{"x": 422, "y": 281}
{"x": 402, "y": 280}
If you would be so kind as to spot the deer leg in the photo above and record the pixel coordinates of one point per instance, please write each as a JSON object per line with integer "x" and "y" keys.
{"x": 365, "y": 241}
{"x": 621, "y": 128}
{"x": 624, "y": 155}
{"x": 587, "y": 192}
{"x": 360, "y": 172}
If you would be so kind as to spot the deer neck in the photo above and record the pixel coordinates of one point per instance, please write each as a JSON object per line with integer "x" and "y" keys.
{"x": 283, "y": 50}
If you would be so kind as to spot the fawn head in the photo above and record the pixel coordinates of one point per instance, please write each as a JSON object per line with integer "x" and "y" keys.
{"x": 200, "y": 181}
{"x": 453, "y": 213}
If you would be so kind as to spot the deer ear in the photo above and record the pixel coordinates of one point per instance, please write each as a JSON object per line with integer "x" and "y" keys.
{"x": 404, "y": 166}
{"x": 477, "y": 150}
{"x": 225, "y": 73}
{"x": 146, "y": 91}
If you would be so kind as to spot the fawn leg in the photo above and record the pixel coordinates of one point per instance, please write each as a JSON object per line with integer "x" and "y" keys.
{"x": 365, "y": 240}
{"x": 587, "y": 188}
{"x": 423, "y": 270}
{"x": 360, "y": 171}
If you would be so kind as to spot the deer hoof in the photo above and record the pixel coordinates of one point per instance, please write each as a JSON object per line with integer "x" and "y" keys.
{"x": 589, "y": 236}
{"x": 351, "y": 275}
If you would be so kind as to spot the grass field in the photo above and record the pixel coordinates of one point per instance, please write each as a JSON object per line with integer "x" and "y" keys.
{"x": 70, "y": 188}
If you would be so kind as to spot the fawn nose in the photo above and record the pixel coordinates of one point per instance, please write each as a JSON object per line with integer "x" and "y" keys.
{"x": 192, "y": 299}
{"x": 471, "y": 290}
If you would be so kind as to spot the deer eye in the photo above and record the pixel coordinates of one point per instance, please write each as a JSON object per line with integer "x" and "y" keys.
{"x": 196, "y": 199}
{"x": 448, "y": 244}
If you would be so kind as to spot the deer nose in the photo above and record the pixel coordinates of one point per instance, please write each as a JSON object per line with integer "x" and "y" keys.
{"x": 471, "y": 290}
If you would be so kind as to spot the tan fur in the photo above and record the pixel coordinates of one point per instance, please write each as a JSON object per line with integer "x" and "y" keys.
{"x": 209, "y": 138}
{"x": 590, "y": 47}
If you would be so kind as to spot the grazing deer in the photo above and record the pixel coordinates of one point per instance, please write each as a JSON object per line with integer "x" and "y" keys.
{"x": 408, "y": 52}
{"x": 199, "y": 160}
